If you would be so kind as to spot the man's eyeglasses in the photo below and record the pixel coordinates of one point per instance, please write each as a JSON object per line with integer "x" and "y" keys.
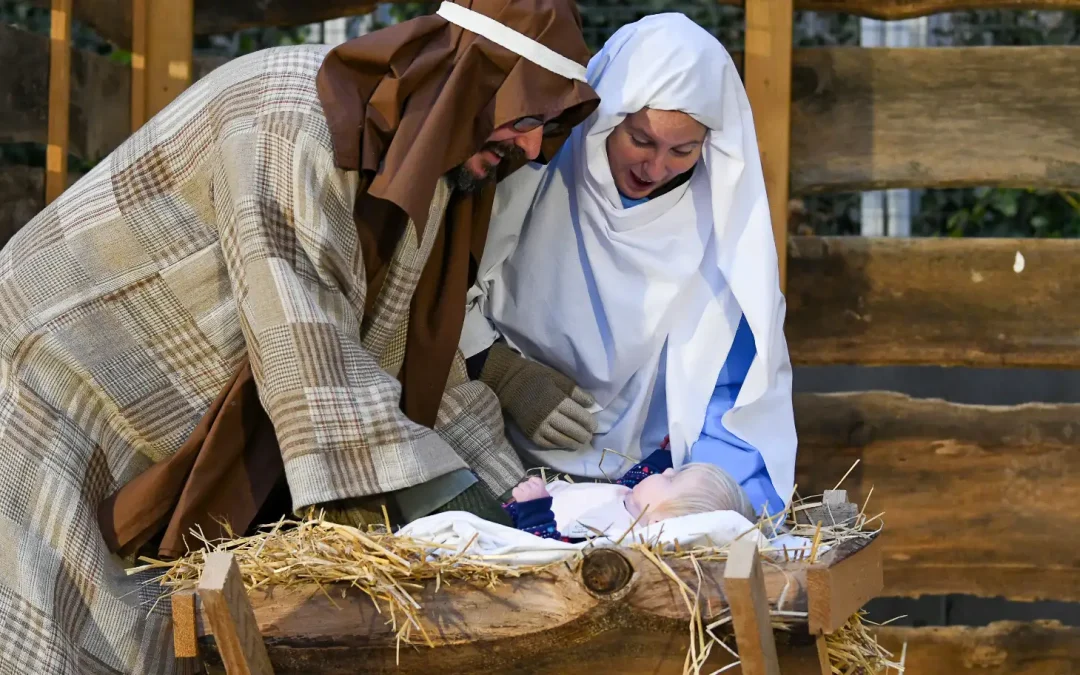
{"x": 527, "y": 124}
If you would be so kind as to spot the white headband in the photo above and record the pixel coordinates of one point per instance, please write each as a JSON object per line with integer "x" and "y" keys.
{"x": 508, "y": 38}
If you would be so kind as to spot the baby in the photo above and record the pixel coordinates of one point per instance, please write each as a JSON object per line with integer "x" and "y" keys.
{"x": 576, "y": 511}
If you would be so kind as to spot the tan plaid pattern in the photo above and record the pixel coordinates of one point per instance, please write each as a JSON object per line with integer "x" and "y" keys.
{"x": 220, "y": 228}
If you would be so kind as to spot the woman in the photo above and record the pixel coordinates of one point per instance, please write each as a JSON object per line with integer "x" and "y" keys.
{"x": 640, "y": 265}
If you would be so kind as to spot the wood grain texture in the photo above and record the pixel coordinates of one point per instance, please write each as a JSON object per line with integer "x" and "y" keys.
{"x": 975, "y": 498}
{"x": 169, "y": 43}
{"x": 228, "y": 611}
{"x": 745, "y": 586}
{"x": 767, "y": 74}
{"x": 952, "y": 302}
{"x": 1002, "y": 648}
{"x": 878, "y": 118}
{"x": 836, "y": 592}
{"x": 535, "y": 624}
{"x": 59, "y": 99}
{"x": 112, "y": 20}
{"x": 100, "y": 110}
{"x": 185, "y": 625}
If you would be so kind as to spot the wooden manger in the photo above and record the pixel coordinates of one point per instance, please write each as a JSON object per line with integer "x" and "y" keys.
{"x": 610, "y": 611}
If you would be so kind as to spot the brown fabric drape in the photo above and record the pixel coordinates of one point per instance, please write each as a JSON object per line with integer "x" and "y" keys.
{"x": 197, "y": 488}
{"x": 404, "y": 105}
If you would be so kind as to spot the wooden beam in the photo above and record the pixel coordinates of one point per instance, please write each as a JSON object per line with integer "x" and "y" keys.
{"x": 550, "y": 623}
{"x": 101, "y": 99}
{"x": 973, "y": 496}
{"x": 222, "y": 596}
{"x": 1002, "y": 648}
{"x": 185, "y": 625}
{"x": 836, "y": 592}
{"x": 745, "y": 586}
{"x": 767, "y": 69}
{"x": 169, "y": 42}
{"x": 56, "y": 152}
{"x": 139, "y": 26}
{"x": 866, "y": 119}
{"x": 952, "y": 302}
{"x": 112, "y": 19}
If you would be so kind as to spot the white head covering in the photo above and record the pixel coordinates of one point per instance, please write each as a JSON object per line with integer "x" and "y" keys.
{"x": 574, "y": 280}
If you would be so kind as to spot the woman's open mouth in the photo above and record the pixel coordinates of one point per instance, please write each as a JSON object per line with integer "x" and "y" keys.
{"x": 639, "y": 185}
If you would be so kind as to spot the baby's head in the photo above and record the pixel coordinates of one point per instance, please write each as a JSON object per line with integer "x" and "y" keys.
{"x": 694, "y": 488}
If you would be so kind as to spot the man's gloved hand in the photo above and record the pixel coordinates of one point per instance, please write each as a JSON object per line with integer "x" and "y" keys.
{"x": 545, "y": 404}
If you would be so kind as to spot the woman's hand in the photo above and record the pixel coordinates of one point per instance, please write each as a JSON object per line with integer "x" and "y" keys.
{"x": 546, "y": 405}
{"x": 534, "y": 488}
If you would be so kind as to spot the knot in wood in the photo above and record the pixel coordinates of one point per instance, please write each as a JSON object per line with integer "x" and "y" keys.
{"x": 605, "y": 571}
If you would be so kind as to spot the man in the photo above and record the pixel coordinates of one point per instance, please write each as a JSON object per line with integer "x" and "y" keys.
{"x": 289, "y": 222}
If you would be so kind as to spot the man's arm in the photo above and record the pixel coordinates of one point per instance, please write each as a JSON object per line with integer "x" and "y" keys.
{"x": 290, "y": 245}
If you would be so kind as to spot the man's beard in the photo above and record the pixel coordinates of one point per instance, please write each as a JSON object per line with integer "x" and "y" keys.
{"x": 462, "y": 179}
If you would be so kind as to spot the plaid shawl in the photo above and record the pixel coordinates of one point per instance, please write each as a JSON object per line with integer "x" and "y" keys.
{"x": 221, "y": 229}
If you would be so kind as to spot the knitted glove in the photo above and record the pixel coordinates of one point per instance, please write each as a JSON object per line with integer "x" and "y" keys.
{"x": 546, "y": 405}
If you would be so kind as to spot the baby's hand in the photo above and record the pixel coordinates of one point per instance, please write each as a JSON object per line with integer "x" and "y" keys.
{"x": 531, "y": 489}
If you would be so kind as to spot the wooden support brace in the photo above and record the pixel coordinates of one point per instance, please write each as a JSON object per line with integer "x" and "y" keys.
{"x": 835, "y": 593}
{"x": 744, "y": 584}
{"x": 185, "y": 625}
{"x": 231, "y": 617}
{"x": 56, "y": 153}
{"x": 768, "y": 85}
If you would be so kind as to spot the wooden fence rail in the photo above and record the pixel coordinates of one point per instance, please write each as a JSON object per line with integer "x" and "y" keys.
{"x": 112, "y": 19}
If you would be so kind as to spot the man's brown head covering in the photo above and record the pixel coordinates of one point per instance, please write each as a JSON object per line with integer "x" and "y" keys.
{"x": 410, "y": 102}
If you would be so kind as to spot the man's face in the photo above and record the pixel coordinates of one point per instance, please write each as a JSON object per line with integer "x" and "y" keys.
{"x": 518, "y": 139}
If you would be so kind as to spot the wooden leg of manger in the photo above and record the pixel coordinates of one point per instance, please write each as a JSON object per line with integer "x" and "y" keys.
{"x": 744, "y": 584}
{"x": 231, "y": 617}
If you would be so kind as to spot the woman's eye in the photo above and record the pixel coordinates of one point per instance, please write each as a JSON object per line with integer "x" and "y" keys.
{"x": 682, "y": 153}
{"x": 639, "y": 141}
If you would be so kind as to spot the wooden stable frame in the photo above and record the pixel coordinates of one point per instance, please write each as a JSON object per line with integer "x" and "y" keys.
{"x": 615, "y": 612}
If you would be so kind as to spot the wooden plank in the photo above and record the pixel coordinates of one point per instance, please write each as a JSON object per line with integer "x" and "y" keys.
{"x": 100, "y": 117}
{"x": 767, "y": 73}
{"x": 1002, "y": 648}
{"x": 745, "y": 586}
{"x": 59, "y": 99}
{"x": 169, "y": 43}
{"x": 222, "y": 596}
{"x": 546, "y": 623}
{"x": 975, "y": 498}
{"x": 99, "y": 96}
{"x": 112, "y": 19}
{"x": 866, "y": 119}
{"x": 954, "y": 302}
{"x": 138, "y": 63}
{"x": 835, "y": 592}
{"x": 185, "y": 625}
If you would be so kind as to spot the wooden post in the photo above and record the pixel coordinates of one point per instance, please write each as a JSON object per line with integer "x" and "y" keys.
{"x": 767, "y": 70}
{"x": 744, "y": 585}
{"x": 231, "y": 617}
{"x": 138, "y": 64}
{"x": 162, "y": 39}
{"x": 56, "y": 152}
{"x": 185, "y": 625}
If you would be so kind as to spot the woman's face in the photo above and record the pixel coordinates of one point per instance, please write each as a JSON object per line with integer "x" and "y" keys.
{"x": 651, "y": 148}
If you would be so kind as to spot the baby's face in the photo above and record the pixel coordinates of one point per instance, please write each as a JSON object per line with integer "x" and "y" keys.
{"x": 651, "y": 492}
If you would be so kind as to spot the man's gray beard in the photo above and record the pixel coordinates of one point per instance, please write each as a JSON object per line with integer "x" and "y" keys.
{"x": 462, "y": 179}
